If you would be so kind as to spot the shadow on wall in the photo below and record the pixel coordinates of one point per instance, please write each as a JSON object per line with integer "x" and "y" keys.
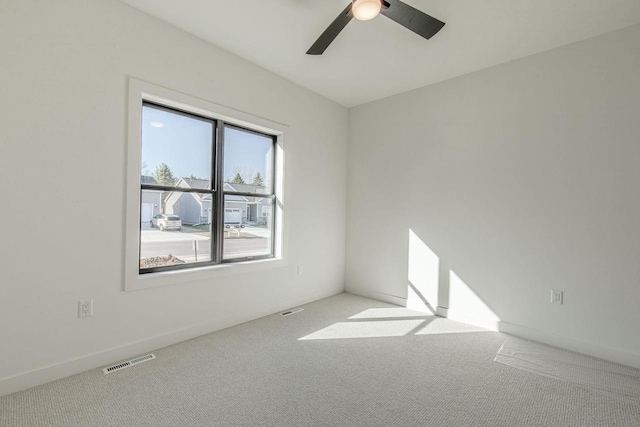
{"x": 436, "y": 289}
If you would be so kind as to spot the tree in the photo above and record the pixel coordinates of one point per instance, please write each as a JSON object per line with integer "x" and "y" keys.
{"x": 163, "y": 175}
{"x": 257, "y": 179}
{"x": 145, "y": 169}
{"x": 237, "y": 179}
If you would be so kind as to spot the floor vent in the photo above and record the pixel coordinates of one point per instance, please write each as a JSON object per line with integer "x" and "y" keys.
{"x": 292, "y": 311}
{"x": 129, "y": 363}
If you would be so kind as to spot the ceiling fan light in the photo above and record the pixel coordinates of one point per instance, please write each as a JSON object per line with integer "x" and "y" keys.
{"x": 365, "y": 10}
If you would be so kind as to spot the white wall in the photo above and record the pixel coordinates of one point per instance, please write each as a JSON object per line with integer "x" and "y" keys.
{"x": 63, "y": 114}
{"x": 520, "y": 178}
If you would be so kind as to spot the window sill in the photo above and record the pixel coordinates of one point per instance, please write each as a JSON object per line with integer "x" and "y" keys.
{"x": 137, "y": 281}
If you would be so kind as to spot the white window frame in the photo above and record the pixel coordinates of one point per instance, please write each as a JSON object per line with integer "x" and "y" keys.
{"x": 140, "y": 91}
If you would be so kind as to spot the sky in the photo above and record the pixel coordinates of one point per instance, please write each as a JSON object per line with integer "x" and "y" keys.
{"x": 185, "y": 144}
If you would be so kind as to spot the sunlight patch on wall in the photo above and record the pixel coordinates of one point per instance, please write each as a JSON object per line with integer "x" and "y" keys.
{"x": 466, "y": 306}
{"x": 424, "y": 265}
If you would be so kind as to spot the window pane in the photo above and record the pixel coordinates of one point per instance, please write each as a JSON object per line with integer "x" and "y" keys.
{"x": 248, "y": 225}
{"x": 175, "y": 147}
{"x": 175, "y": 228}
{"x": 248, "y": 162}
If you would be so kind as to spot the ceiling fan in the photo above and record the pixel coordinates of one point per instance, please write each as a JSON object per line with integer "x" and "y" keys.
{"x": 364, "y": 10}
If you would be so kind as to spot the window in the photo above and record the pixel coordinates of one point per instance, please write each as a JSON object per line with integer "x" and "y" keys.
{"x": 248, "y": 178}
{"x": 204, "y": 173}
{"x": 205, "y": 190}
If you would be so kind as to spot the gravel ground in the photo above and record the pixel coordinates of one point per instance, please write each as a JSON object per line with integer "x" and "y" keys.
{"x": 160, "y": 261}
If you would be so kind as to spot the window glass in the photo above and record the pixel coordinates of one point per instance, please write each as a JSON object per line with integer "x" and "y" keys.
{"x": 248, "y": 232}
{"x": 185, "y": 220}
{"x": 175, "y": 146}
{"x": 248, "y": 161}
{"x": 176, "y": 230}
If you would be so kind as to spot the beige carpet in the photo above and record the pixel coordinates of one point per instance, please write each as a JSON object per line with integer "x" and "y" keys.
{"x": 343, "y": 361}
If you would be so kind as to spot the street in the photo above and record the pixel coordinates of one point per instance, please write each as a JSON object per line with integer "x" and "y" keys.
{"x": 249, "y": 241}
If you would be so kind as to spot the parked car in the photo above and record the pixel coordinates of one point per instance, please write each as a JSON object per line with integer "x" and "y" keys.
{"x": 166, "y": 222}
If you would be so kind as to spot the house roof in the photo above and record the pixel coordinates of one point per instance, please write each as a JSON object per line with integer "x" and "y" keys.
{"x": 149, "y": 180}
{"x": 203, "y": 184}
{"x": 246, "y": 188}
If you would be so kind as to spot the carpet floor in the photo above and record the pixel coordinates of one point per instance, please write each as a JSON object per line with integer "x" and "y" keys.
{"x": 343, "y": 361}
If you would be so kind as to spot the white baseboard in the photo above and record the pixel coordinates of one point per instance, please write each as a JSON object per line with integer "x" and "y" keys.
{"x": 67, "y": 368}
{"x": 470, "y": 319}
{"x": 573, "y": 344}
{"x": 378, "y": 296}
{"x": 567, "y": 343}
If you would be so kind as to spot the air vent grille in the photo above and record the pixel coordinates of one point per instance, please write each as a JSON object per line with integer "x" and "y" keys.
{"x": 291, "y": 311}
{"x": 128, "y": 363}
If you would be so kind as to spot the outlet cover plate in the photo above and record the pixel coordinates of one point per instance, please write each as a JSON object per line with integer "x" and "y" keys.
{"x": 556, "y": 296}
{"x": 85, "y": 308}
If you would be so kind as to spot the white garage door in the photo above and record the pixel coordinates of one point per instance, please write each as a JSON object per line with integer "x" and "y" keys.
{"x": 147, "y": 212}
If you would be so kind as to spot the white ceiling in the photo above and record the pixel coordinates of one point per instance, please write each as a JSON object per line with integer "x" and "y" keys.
{"x": 375, "y": 59}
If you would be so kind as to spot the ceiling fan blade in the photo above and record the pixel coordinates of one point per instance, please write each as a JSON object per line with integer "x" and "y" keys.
{"x": 331, "y": 32}
{"x": 411, "y": 18}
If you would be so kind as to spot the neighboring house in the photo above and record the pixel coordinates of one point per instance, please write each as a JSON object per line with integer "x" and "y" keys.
{"x": 253, "y": 208}
{"x": 150, "y": 200}
{"x": 195, "y": 208}
{"x": 192, "y": 208}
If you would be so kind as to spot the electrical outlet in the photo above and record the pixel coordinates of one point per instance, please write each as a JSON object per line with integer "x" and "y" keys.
{"x": 300, "y": 269}
{"x": 556, "y": 296}
{"x": 85, "y": 308}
